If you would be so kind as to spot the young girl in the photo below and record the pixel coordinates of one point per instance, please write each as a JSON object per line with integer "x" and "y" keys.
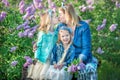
{"x": 46, "y": 40}
{"x": 62, "y": 54}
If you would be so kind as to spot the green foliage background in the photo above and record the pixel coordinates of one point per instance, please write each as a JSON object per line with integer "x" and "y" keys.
{"x": 110, "y": 61}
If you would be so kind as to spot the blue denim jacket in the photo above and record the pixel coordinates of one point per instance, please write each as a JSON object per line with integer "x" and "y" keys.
{"x": 81, "y": 40}
{"x": 58, "y": 51}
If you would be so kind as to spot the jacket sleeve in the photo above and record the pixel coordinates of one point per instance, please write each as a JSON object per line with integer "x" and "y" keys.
{"x": 54, "y": 55}
{"x": 86, "y": 40}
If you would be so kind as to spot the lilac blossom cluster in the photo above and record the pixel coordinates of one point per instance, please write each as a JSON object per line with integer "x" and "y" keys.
{"x": 99, "y": 50}
{"x": 89, "y": 6}
{"x": 38, "y": 4}
{"x": 113, "y": 27}
{"x": 14, "y": 63}
{"x": 5, "y": 2}
{"x": 75, "y": 68}
{"x": 28, "y": 31}
{"x": 22, "y": 6}
{"x": 102, "y": 26}
{"x": 2, "y": 15}
{"x": 13, "y": 48}
{"x": 29, "y": 11}
{"x": 28, "y": 62}
{"x": 117, "y": 3}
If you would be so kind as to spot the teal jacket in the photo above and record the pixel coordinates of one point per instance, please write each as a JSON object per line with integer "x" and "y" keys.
{"x": 45, "y": 43}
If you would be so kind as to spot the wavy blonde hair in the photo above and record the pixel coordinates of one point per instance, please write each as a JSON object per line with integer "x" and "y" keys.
{"x": 45, "y": 21}
{"x": 61, "y": 9}
{"x": 71, "y": 16}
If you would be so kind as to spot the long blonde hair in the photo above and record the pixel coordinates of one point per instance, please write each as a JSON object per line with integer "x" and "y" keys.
{"x": 71, "y": 16}
{"x": 45, "y": 22}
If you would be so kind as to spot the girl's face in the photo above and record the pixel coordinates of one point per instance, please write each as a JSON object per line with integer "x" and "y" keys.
{"x": 61, "y": 16}
{"x": 65, "y": 36}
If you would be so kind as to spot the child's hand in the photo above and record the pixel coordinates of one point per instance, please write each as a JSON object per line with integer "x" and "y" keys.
{"x": 34, "y": 47}
{"x": 55, "y": 66}
{"x": 60, "y": 66}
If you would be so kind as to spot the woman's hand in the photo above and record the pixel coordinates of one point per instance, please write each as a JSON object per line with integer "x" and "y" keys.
{"x": 34, "y": 47}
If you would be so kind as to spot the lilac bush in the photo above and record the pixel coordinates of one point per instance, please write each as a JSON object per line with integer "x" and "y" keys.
{"x": 19, "y": 21}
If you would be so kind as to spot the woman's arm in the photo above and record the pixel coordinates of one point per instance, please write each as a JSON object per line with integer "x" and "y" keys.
{"x": 86, "y": 40}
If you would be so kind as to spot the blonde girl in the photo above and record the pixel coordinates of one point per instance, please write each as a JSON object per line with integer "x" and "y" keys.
{"x": 62, "y": 55}
{"x": 45, "y": 42}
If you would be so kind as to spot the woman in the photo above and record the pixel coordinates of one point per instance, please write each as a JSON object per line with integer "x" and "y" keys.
{"x": 81, "y": 31}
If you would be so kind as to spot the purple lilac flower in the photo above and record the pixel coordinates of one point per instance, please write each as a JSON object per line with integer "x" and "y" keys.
{"x": 81, "y": 66}
{"x": 13, "y": 48}
{"x": 26, "y": 27}
{"x": 72, "y": 68}
{"x": 90, "y": 7}
{"x": 100, "y": 51}
{"x": 25, "y": 17}
{"x": 29, "y": 11}
{"x": 19, "y": 27}
{"x": 26, "y": 65}
{"x": 100, "y": 27}
{"x": 14, "y": 63}
{"x": 30, "y": 35}
{"x": 21, "y": 3}
{"x": 20, "y": 34}
{"x": 35, "y": 27}
{"x": 38, "y": 4}
{"x": 25, "y": 23}
{"x": 5, "y": 2}
{"x": 104, "y": 21}
{"x": 32, "y": 17}
{"x": 117, "y": 4}
{"x": 22, "y": 6}
{"x": 84, "y": 9}
{"x": 29, "y": 60}
{"x": 2, "y": 15}
{"x": 113, "y": 27}
{"x": 89, "y": 2}
{"x": 25, "y": 33}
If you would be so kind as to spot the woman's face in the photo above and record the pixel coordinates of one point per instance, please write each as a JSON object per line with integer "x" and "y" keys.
{"x": 61, "y": 16}
{"x": 64, "y": 36}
